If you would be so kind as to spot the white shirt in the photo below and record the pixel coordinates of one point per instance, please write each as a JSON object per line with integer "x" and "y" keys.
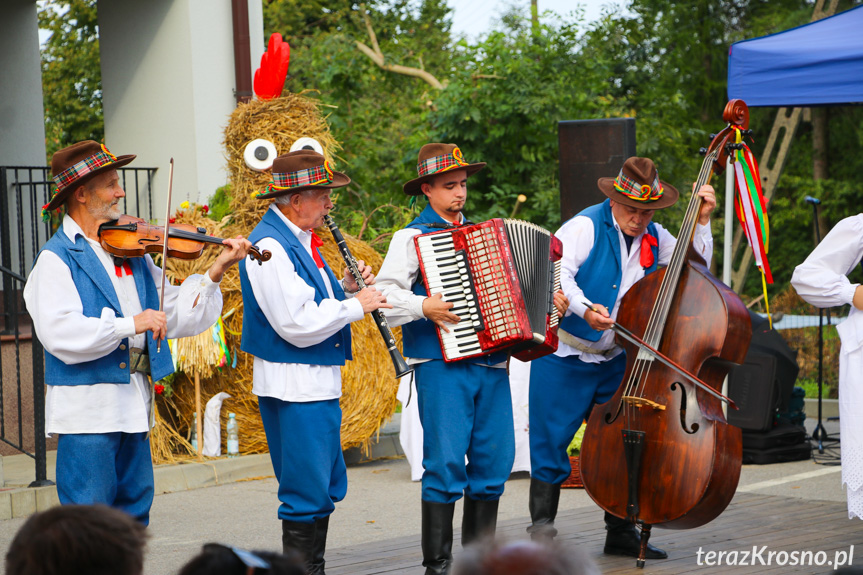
{"x": 288, "y": 303}
{"x": 399, "y": 272}
{"x": 55, "y": 306}
{"x": 822, "y": 280}
{"x": 577, "y": 237}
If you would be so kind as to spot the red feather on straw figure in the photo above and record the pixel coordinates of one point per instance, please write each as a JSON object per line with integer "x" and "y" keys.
{"x": 270, "y": 77}
{"x": 272, "y": 124}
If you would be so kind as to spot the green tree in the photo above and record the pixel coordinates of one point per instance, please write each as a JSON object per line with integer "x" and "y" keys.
{"x": 377, "y": 116}
{"x": 503, "y": 104}
{"x": 71, "y": 74}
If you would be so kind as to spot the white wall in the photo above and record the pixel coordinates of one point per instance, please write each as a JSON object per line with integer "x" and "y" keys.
{"x": 168, "y": 88}
{"x": 22, "y": 122}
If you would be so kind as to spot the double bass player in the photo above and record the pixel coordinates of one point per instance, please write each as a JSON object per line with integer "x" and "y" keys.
{"x": 608, "y": 247}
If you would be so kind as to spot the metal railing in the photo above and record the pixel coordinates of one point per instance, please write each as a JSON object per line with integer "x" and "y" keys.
{"x": 23, "y": 192}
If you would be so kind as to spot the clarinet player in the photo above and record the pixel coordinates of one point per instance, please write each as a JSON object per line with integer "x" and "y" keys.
{"x": 296, "y": 324}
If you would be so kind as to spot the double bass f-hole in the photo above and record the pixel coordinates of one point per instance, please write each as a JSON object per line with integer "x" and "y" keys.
{"x": 685, "y": 400}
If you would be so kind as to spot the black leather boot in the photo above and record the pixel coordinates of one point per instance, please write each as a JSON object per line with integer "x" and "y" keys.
{"x": 478, "y": 520}
{"x": 299, "y": 537}
{"x": 316, "y": 561}
{"x": 437, "y": 537}
{"x": 542, "y": 502}
{"x": 622, "y": 538}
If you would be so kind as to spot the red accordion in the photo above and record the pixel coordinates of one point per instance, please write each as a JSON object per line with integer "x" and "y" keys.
{"x": 501, "y": 276}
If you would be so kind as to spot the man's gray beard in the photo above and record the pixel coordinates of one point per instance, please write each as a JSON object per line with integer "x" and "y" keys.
{"x": 107, "y": 211}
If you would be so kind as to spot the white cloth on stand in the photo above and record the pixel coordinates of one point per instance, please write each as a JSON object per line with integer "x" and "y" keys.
{"x": 519, "y": 386}
{"x": 213, "y": 425}
{"x": 822, "y": 280}
{"x": 411, "y": 431}
{"x": 410, "y": 428}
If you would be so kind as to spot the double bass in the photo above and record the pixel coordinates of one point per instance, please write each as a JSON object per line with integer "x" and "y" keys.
{"x": 661, "y": 452}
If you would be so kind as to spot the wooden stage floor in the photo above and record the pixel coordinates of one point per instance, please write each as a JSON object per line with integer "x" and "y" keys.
{"x": 762, "y": 521}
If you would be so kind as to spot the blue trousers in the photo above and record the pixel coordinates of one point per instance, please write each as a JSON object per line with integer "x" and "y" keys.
{"x": 562, "y": 391}
{"x": 465, "y": 409}
{"x": 305, "y": 447}
{"x": 113, "y": 469}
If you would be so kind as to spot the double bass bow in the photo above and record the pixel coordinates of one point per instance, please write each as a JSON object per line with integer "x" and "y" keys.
{"x": 661, "y": 452}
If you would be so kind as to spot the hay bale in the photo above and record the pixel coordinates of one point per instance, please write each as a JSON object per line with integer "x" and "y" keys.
{"x": 368, "y": 382}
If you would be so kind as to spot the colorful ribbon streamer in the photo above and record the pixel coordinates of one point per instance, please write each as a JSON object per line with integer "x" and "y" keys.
{"x": 751, "y": 209}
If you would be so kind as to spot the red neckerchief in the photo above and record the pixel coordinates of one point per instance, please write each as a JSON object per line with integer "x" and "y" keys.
{"x": 647, "y": 242}
{"x": 123, "y": 268}
{"x": 316, "y": 243}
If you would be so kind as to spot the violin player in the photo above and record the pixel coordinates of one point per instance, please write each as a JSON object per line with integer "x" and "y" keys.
{"x": 98, "y": 320}
{"x": 607, "y": 248}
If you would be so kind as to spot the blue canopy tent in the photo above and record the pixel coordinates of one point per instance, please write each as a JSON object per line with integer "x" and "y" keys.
{"x": 815, "y": 64}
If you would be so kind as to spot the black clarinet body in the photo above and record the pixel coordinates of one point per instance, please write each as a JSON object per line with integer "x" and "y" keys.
{"x": 399, "y": 363}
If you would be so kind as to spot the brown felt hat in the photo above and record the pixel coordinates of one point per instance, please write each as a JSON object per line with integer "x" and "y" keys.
{"x": 301, "y": 170}
{"x": 638, "y": 186}
{"x": 77, "y": 164}
{"x": 435, "y": 159}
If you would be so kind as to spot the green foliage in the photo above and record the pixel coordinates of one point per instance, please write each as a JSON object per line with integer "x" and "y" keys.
{"x": 377, "y": 116}
{"x": 810, "y": 386}
{"x": 663, "y": 63}
{"x": 71, "y": 74}
{"x": 220, "y": 203}
{"x": 502, "y": 106}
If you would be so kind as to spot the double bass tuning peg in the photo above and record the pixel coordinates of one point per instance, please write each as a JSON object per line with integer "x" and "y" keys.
{"x": 702, "y": 151}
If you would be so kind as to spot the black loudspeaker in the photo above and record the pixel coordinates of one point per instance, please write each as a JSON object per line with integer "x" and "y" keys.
{"x": 761, "y": 387}
{"x": 589, "y": 150}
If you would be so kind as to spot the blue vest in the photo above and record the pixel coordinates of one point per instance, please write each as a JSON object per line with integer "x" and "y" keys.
{"x": 598, "y": 277}
{"x": 419, "y": 338}
{"x": 97, "y": 292}
{"x": 259, "y": 338}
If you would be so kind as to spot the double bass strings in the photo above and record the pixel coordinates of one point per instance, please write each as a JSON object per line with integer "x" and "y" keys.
{"x": 659, "y": 314}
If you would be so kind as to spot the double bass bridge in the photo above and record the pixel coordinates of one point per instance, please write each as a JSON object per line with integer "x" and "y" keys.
{"x": 641, "y": 402}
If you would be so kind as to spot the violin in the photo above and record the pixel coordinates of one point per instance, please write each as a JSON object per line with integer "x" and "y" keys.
{"x": 129, "y": 237}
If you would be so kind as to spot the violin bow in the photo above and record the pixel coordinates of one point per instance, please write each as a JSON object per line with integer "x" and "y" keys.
{"x": 641, "y": 344}
{"x": 165, "y": 248}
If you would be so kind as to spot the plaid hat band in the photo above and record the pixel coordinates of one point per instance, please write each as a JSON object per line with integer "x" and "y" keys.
{"x": 316, "y": 176}
{"x": 639, "y": 192}
{"x": 84, "y": 167}
{"x": 441, "y": 163}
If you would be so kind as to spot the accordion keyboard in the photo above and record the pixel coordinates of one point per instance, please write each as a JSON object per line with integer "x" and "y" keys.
{"x": 447, "y": 273}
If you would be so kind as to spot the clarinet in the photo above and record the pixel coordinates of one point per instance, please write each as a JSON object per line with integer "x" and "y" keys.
{"x": 399, "y": 363}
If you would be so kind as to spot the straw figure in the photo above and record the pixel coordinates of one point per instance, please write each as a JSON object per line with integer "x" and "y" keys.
{"x": 368, "y": 382}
